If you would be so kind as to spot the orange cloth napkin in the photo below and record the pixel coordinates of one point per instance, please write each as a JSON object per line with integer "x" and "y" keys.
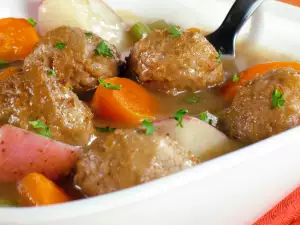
{"x": 287, "y": 212}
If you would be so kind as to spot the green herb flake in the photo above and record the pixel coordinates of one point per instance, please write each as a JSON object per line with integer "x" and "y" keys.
{"x": 89, "y": 34}
{"x": 219, "y": 58}
{"x": 105, "y": 129}
{"x": 104, "y": 50}
{"x": 52, "y": 72}
{"x": 40, "y": 128}
{"x": 109, "y": 85}
{"x": 3, "y": 64}
{"x": 7, "y": 203}
{"x": 236, "y": 78}
{"x": 31, "y": 21}
{"x": 204, "y": 117}
{"x": 193, "y": 99}
{"x": 179, "y": 115}
{"x": 148, "y": 125}
{"x": 277, "y": 99}
{"x": 60, "y": 46}
{"x": 174, "y": 32}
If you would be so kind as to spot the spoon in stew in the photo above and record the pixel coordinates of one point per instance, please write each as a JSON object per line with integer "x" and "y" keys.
{"x": 223, "y": 39}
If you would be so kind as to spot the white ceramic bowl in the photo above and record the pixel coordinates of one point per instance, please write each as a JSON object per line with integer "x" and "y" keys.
{"x": 234, "y": 189}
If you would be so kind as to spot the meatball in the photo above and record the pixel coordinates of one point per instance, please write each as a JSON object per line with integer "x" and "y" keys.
{"x": 129, "y": 157}
{"x": 171, "y": 65}
{"x": 252, "y": 117}
{"x": 77, "y": 64}
{"x": 34, "y": 95}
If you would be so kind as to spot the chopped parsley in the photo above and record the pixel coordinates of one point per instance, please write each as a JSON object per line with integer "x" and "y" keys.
{"x": 52, "y": 72}
{"x": 174, "y": 32}
{"x": 179, "y": 115}
{"x": 109, "y": 85}
{"x": 105, "y": 129}
{"x": 277, "y": 99}
{"x": 89, "y": 34}
{"x": 204, "y": 117}
{"x": 41, "y": 128}
{"x": 31, "y": 21}
{"x": 3, "y": 64}
{"x": 60, "y": 45}
{"x": 7, "y": 203}
{"x": 219, "y": 58}
{"x": 235, "y": 78}
{"x": 148, "y": 125}
{"x": 193, "y": 99}
{"x": 104, "y": 50}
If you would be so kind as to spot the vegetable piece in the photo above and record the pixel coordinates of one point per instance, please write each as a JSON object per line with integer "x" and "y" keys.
{"x": 3, "y": 64}
{"x": 129, "y": 105}
{"x": 179, "y": 116}
{"x": 235, "y": 78}
{"x": 104, "y": 50}
{"x": 23, "y": 152}
{"x": 203, "y": 140}
{"x": 17, "y": 39}
{"x": 8, "y": 72}
{"x": 230, "y": 89}
{"x": 147, "y": 124}
{"x": 219, "y": 58}
{"x": 52, "y": 72}
{"x": 105, "y": 129}
{"x": 159, "y": 25}
{"x": 89, "y": 34}
{"x": 31, "y": 21}
{"x": 193, "y": 99}
{"x": 41, "y": 128}
{"x": 174, "y": 32}
{"x": 277, "y": 99}
{"x": 37, "y": 190}
{"x": 109, "y": 85}
{"x": 92, "y": 15}
{"x": 194, "y": 29}
{"x": 7, "y": 203}
{"x": 60, "y": 46}
{"x": 139, "y": 31}
{"x": 209, "y": 118}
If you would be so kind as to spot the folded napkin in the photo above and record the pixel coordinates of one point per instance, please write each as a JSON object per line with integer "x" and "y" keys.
{"x": 287, "y": 212}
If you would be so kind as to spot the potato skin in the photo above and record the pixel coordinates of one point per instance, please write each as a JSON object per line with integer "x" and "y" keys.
{"x": 172, "y": 65}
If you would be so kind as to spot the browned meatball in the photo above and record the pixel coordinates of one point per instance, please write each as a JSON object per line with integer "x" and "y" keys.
{"x": 129, "y": 157}
{"x": 35, "y": 95}
{"x": 187, "y": 62}
{"x": 77, "y": 65}
{"x": 251, "y": 117}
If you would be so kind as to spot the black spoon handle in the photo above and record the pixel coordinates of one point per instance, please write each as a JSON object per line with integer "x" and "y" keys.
{"x": 237, "y": 16}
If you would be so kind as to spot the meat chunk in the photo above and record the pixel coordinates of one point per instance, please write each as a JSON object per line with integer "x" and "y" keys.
{"x": 129, "y": 157}
{"x": 77, "y": 64}
{"x": 174, "y": 64}
{"x": 251, "y": 117}
{"x": 35, "y": 95}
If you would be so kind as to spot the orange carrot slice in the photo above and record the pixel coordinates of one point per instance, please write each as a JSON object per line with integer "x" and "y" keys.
{"x": 17, "y": 39}
{"x": 229, "y": 90}
{"x": 37, "y": 190}
{"x": 129, "y": 105}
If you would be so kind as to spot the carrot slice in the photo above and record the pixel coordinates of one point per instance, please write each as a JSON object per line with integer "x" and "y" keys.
{"x": 8, "y": 72}
{"x": 37, "y": 190}
{"x": 17, "y": 39}
{"x": 129, "y": 105}
{"x": 194, "y": 29}
{"x": 229, "y": 90}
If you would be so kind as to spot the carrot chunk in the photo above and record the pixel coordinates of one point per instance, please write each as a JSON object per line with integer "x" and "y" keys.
{"x": 17, "y": 39}
{"x": 230, "y": 89}
{"x": 123, "y": 100}
{"x": 37, "y": 190}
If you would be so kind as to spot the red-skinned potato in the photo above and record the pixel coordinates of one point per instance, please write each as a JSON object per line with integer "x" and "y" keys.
{"x": 23, "y": 152}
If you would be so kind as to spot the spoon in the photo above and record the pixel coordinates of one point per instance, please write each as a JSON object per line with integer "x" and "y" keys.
{"x": 223, "y": 39}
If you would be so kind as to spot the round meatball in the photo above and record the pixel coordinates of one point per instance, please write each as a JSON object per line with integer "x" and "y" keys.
{"x": 176, "y": 64}
{"x": 252, "y": 116}
{"x": 75, "y": 63}
{"x": 129, "y": 157}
